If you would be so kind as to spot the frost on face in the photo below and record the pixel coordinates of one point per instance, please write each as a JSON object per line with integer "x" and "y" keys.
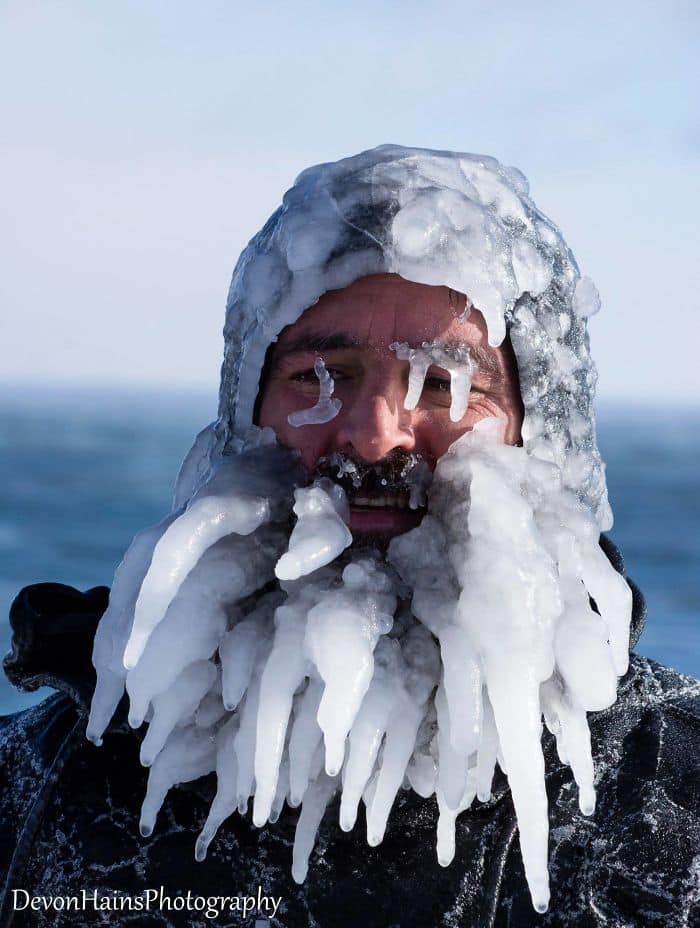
{"x": 358, "y": 672}
{"x": 327, "y": 406}
{"x": 456, "y": 361}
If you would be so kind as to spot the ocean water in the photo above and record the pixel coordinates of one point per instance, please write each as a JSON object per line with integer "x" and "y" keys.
{"x": 82, "y": 471}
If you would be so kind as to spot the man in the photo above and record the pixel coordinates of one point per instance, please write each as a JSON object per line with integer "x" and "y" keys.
{"x": 382, "y": 570}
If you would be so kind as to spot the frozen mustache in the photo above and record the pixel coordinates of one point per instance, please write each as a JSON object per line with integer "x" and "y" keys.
{"x": 399, "y": 473}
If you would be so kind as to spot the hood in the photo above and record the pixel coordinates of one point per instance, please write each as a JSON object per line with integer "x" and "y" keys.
{"x": 434, "y": 217}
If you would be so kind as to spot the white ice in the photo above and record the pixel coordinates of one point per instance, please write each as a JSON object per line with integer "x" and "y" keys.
{"x": 366, "y": 673}
{"x": 321, "y": 532}
{"x": 189, "y": 753}
{"x": 236, "y": 499}
{"x": 327, "y": 406}
{"x": 341, "y": 634}
{"x": 456, "y": 361}
{"x": 115, "y": 627}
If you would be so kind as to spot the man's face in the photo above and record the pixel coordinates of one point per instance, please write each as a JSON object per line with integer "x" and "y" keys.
{"x": 352, "y": 331}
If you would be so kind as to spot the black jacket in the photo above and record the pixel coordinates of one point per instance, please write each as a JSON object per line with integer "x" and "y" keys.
{"x": 69, "y": 816}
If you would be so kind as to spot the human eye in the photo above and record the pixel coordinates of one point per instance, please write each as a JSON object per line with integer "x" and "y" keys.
{"x": 437, "y": 384}
{"x": 309, "y": 375}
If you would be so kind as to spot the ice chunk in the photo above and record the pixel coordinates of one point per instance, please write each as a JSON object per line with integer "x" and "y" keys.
{"x": 586, "y": 298}
{"x": 327, "y": 406}
{"x": 320, "y": 534}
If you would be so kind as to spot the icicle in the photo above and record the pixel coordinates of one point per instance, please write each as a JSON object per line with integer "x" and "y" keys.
{"x": 305, "y": 738}
{"x": 460, "y": 386}
{"x": 225, "y": 801}
{"x": 421, "y": 663}
{"x": 456, "y": 361}
{"x": 284, "y": 670}
{"x": 399, "y": 741}
{"x": 239, "y": 497}
{"x": 573, "y": 739}
{"x": 189, "y": 753}
{"x": 176, "y": 705}
{"x": 487, "y": 752}
{"x": 115, "y": 627}
{"x": 453, "y": 767}
{"x": 422, "y": 768}
{"x": 342, "y": 632}
{"x": 462, "y": 684}
{"x": 368, "y": 728}
{"x": 241, "y": 647}
{"x": 320, "y": 534}
{"x": 418, "y": 363}
{"x": 447, "y": 818}
{"x": 327, "y": 406}
{"x": 282, "y": 791}
{"x": 314, "y": 804}
{"x": 244, "y": 741}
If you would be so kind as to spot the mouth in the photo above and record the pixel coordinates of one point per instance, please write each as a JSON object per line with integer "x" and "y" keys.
{"x": 385, "y": 514}
{"x": 382, "y": 520}
{"x": 386, "y": 498}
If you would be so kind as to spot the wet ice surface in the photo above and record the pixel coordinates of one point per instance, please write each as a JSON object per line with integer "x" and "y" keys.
{"x": 362, "y": 671}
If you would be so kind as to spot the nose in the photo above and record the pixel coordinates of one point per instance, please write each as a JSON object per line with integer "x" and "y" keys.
{"x": 376, "y": 424}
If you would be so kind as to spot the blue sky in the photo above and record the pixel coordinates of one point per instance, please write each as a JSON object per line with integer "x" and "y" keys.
{"x": 144, "y": 143}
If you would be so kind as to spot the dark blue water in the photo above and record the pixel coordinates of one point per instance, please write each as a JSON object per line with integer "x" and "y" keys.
{"x": 82, "y": 472}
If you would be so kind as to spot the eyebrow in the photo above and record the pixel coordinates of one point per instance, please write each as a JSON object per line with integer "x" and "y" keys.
{"x": 317, "y": 342}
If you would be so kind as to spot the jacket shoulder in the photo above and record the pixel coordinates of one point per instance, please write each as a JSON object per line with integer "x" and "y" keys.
{"x": 32, "y": 745}
{"x": 643, "y": 841}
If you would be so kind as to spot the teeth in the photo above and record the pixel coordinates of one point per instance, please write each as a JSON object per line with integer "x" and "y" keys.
{"x": 390, "y": 501}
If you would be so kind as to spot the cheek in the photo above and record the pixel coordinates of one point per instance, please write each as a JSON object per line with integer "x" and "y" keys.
{"x": 436, "y": 432}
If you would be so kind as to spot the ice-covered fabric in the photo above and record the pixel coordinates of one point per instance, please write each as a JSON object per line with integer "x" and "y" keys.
{"x": 363, "y": 670}
{"x": 69, "y": 817}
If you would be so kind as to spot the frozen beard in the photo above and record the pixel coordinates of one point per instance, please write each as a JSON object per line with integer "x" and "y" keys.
{"x": 297, "y": 667}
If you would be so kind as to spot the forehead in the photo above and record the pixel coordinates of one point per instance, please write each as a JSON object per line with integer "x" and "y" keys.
{"x": 375, "y": 311}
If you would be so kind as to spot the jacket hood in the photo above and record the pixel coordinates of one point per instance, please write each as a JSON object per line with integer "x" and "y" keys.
{"x": 433, "y": 217}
